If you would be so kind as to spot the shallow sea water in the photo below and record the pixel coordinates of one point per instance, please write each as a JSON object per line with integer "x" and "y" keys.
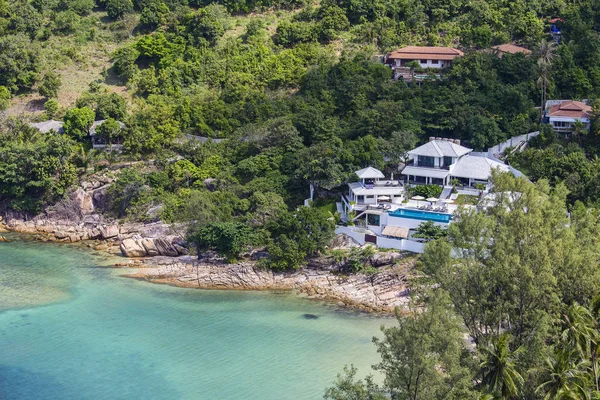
{"x": 71, "y": 330}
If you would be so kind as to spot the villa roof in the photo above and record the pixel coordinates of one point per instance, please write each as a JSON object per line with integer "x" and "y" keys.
{"x": 96, "y": 124}
{"x": 511, "y": 49}
{"x": 428, "y": 172}
{"x": 47, "y": 126}
{"x": 569, "y": 109}
{"x": 395, "y": 231}
{"x": 440, "y": 148}
{"x": 425, "y": 53}
{"x": 369, "y": 173}
{"x": 474, "y": 167}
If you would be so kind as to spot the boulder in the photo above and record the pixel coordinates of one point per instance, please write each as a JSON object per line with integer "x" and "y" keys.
{"x": 83, "y": 200}
{"x": 132, "y": 248}
{"x": 61, "y": 234}
{"x": 344, "y": 242}
{"x": 150, "y": 247}
{"x": 385, "y": 258}
{"x": 180, "y": 249}
{"x": 94, "y": 233}
{"x": 165, "y": 248}
{"x": 3, "y": 239}
{"x": 45, "y": 228}
{"x": 110, "y": 231}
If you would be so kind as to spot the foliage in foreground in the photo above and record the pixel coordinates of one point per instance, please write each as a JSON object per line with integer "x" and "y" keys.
{"x": 527, "y": 299}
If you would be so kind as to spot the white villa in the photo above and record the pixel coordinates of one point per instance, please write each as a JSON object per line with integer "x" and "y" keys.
{"x": 562, "y": 114}
{"x": 440, "y": 161}
{"x": 372, "y": 189}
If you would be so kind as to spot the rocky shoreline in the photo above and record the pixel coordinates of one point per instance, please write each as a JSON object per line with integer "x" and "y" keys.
{"x": 381, "y": 292}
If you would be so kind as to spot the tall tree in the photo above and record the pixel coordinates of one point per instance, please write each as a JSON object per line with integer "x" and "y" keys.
{"x": 545, "y": 58}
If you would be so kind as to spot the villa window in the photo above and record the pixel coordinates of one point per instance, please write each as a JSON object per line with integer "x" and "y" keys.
{"x": 423, "y": 61}
{"x": 426, "y": 161}
{"x": 373, "y": 219}
{"x": 434, "y": 61}
{"x": 370, "y": 196}
{"x": 447, "y": 161}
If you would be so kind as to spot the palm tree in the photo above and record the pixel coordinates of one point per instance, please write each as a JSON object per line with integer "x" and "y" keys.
{"x": 85, "y": 158}
{"x": 581, "y": 334}
{"x": 499, "y": 370}
{"x": 546, "y": 52}
{"x": 579, "y": 330}
{"x": 579, "y": 130}
{"x": 566, "y": 380}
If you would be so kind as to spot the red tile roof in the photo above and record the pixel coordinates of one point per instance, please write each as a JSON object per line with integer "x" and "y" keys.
{"x": 425, "y": 53}
{"x": 570, "y": 109}
{"x": 511, "y": 48}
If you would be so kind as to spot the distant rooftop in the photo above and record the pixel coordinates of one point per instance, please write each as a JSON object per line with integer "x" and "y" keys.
{"x": 425, "y": 53}
{"x": 47, "y": 126}
{"x": 509, "y": 48}
{"x": 96, "y": 124}
{"x": 568, "y": 108}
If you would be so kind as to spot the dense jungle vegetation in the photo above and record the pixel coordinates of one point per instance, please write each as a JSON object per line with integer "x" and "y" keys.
{"x": 291, "y": 93}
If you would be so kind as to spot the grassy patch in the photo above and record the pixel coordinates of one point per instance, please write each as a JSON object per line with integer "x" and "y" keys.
{"x": 466, "y": 199}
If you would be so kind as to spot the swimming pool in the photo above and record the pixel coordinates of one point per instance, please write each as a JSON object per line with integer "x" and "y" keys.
{"x": 422, "y": 215}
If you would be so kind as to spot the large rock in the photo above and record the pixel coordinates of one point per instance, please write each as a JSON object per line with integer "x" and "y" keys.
{"x": 344, "y": 242}
{"x": 165, "y": 248}
{"x": 150, "y": 247}
{"x": 110, "y": 231}
{"x": 83, "y": 200}
{"x": 132, "y": 248}
{"x": 180, "y": 249}
{"x": 385, "y": 258}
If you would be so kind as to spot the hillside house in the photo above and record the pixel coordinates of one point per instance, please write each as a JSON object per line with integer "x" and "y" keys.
{"x": 562, "y": 114}
{"x": 427, "y": 57}
{"x": 48, "y": 126}
{"x": 440, "y": 161}
{"x": 99, "y": 142}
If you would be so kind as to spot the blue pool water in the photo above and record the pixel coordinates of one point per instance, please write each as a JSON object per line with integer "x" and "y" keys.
{"x": 422, "y": 215}
{"x": 71, "y": 330}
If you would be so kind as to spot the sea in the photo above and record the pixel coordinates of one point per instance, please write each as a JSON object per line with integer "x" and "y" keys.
{"x": 73, "y": 328}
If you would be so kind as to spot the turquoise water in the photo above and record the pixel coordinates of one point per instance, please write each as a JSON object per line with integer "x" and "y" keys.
{"x": 71, "y": 330}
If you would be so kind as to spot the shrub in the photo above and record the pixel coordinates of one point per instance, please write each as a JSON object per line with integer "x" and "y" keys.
{"x": 50, "y": 84}
{"x": 117, "y": 9}
{"x": 77, "y": 122}
{"x": 4, "y": 98}
{"x": 427, "y": 190}
{"x": 51, "y": 107}
{"x": 229, "y": 239}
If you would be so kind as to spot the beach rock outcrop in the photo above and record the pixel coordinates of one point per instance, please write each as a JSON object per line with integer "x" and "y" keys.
{"x": 150, "y": 247}
{"x": 382, "y": 291}
{"x": 165, "y": 248}
{"x": 132, "y": 248}
{"x": 83, "y": 200}
{"x": 110, "y": 231}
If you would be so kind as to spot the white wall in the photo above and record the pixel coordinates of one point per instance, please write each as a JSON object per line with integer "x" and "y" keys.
{"x": 408, "y": 222}
{"x": 400, "y": 244}
{"x": 383, "y": 242}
